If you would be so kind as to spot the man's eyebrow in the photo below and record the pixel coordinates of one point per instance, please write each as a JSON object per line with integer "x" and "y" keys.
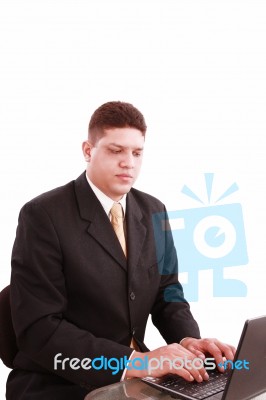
{"x": 124, "y": 147}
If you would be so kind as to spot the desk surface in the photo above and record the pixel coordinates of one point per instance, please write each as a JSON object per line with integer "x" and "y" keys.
{"x": 133, "y": 389}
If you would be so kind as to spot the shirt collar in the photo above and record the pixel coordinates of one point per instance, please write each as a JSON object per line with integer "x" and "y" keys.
{"x": 106, "y": 201}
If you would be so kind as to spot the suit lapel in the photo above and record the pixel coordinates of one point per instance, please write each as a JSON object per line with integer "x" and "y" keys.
{"x": 99, "y": 226}
{"x": 136, "y": 232}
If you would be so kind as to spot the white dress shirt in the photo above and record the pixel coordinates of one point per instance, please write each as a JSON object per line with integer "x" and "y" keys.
{"x": 106, "y": 201}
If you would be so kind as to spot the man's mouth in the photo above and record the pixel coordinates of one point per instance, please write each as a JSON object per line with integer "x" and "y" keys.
{"x": 125, "y": 176}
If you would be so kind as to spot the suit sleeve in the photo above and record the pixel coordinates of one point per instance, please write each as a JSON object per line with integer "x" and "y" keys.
{"x": 171, "y": 312}
{"x": 39, "y": 301}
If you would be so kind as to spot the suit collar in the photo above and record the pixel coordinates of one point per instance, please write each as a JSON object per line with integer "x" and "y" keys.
{"x": 99, "y": 226}
{"x": 101, "y": 229}
{"x": 136, "y": 231}
{"x": 106, "y": 201}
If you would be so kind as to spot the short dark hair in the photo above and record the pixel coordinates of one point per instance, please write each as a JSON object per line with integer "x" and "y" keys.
{"x": 115, "y": 114}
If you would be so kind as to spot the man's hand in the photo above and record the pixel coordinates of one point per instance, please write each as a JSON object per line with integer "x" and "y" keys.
{"x": 212, "y": 347}
{"x": 159, "y": 362}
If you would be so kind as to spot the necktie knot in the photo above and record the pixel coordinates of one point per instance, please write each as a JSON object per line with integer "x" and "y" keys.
{"x": 117, "y": 211}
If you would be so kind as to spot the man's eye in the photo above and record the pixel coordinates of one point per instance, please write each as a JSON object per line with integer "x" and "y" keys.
{"x": 115, "y": 151}
{"x": 136, "y": 154}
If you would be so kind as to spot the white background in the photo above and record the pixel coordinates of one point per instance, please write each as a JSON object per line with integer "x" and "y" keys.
{"x": 195, "y": 68}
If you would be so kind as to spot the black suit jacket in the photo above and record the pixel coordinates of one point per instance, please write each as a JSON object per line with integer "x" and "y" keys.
{"x": 74, "y": 292}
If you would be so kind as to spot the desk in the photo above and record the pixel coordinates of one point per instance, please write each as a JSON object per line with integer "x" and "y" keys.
{"x": 133, "y": 389}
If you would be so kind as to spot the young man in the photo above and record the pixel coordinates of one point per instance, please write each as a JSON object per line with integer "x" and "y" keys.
{"x": 85, "y": 275}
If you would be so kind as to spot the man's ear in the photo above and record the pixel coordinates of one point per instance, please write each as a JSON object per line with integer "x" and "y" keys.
{"x": 86, "y": 148}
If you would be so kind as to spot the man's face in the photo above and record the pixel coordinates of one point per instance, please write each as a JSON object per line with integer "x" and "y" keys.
{"x": 114, "y": 161}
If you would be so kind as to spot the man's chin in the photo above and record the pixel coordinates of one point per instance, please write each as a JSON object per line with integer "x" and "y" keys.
{"x": 122, "y": 190}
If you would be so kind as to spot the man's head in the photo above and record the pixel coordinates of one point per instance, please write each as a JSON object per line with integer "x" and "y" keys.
{"x": 114, "y": 147}
{"x": 115, "y": 114}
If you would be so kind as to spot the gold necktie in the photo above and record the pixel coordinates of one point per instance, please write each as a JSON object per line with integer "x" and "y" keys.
{"x": 117, "y": 220}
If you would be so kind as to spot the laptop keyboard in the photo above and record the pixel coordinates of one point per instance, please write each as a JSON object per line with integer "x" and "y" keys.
{"x": 215, "y": 384}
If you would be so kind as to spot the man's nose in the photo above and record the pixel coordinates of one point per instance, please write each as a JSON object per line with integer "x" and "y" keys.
{"x": 127, "y": 161}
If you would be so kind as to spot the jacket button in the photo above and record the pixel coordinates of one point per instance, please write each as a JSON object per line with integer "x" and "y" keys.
{"x": 133, "y": 331}
{"x": 132, "y": 296}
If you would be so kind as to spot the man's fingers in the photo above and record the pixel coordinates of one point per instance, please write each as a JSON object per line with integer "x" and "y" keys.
{"x": 185, "y": 374}
{"x": 191, "y": 374}
{"x": 213, "y": 347}
{"x": 220, "y": 352}
{"x": 187, "y": 359}
{"x": 229, "y": 352}
{"x": 196, "y": 352}
{"x": 216, "y": 353}
{"x": 181, "y": 361}
{"x": 194, "y": 364}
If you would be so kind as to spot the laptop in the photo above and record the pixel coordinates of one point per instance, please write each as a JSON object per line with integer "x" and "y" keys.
{"x": 236, "y": 383}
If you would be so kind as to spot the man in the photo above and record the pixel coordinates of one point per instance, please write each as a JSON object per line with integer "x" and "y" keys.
{"x": 85, "y": 275}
